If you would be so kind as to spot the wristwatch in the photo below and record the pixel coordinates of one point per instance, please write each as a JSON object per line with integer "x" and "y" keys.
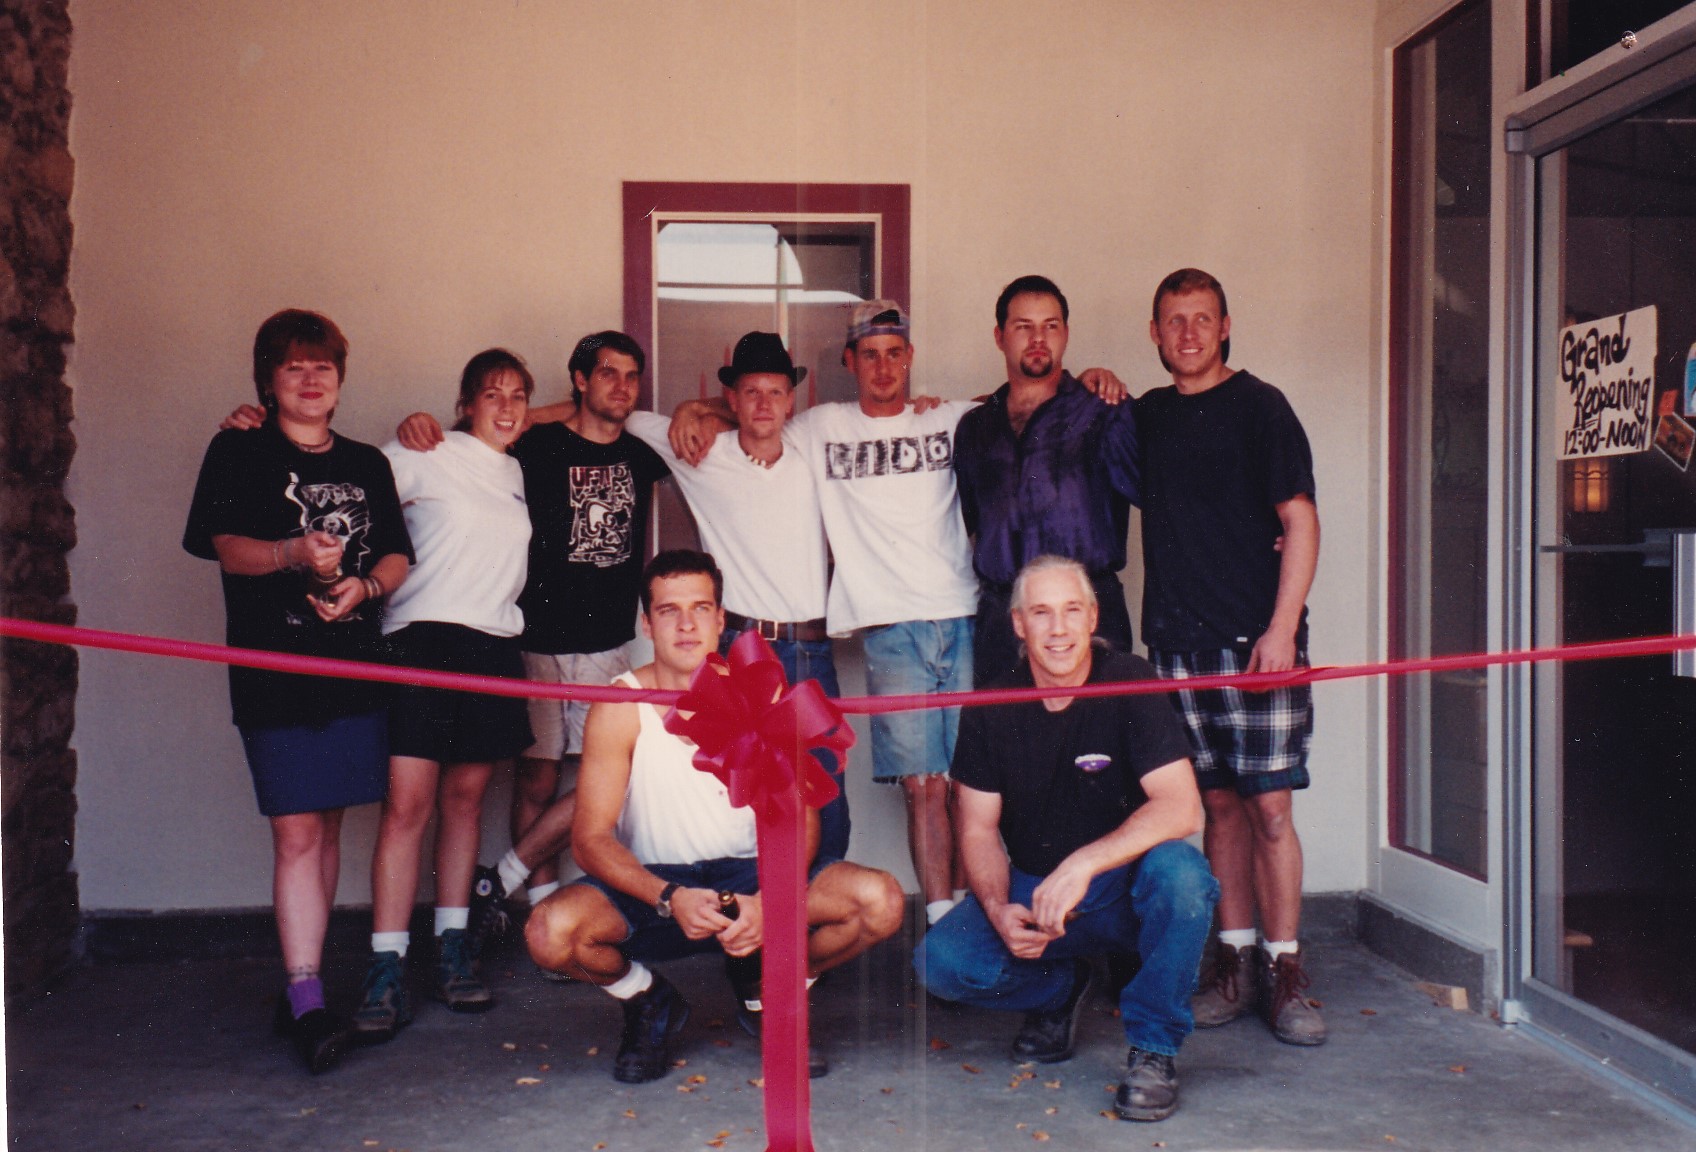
{"x": 663, "y": 905}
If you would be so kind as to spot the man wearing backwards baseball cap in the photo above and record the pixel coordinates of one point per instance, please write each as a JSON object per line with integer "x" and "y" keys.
{"x": 886, "y": 489}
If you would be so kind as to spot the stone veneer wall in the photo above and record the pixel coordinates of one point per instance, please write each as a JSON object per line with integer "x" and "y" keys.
{"x": 37, "y": 524}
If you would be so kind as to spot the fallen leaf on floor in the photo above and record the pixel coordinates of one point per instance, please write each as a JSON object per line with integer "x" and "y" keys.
{"x": 1312, "y": 1003}
{"x": 509, "y": 1045}
{"x": 630, "y": 1113}
{"x": 1457, "y": 1069}
{"x": 972, "y": 1068}
{"x": 1389, "y": 1139}
{"x": 886, "y": 1091}
{"x": 370, "y": 1143}
{"x": 543, "y": 1047}
{"x": 686, "y": 1088}
{"x": 1049, "y": 1111}
{"x": 593, "y": 1052}
{"x": 544, "y": 1067}
{"x": 307, "y": 1111}
{"x": 1107, "y": 1115}
{"x": 937, "y": 1044}
{"x": 600, "y": 1145}
{"x": 715, "y": 1143}
{"x": 723, "y": 1134}
{"x": 1021, "y": 1127}
{"x": 697, "y": 1079}
{"x": 1368, "y": 1012}
{"x": 1051, "y": 1083}
{"x": 139, "y": 1107}
{"x": 527, "y": 1080}
{"x": 1160, "y": 1143}
{"x": 680, "y": 1063}
{"x": 760, "y": 1082}
{"x": 1039, "y": 1136}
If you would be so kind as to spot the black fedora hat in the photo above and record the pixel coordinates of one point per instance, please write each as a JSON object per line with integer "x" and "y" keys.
{"x": 760, "y": 352}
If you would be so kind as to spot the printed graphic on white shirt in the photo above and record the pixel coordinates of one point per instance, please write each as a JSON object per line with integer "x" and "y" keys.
{"x": 890, "y": 456}
{"x": 603, "y": 506}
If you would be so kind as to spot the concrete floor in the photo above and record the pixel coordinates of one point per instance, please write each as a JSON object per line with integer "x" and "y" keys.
{"x": 180, "y": 1056}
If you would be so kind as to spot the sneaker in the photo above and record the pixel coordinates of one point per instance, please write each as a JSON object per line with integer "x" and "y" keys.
{"x": 1149, "y": 1090}
{"x": 1292, "y": 1016}
{"x": 651, "y": 1019}
{"x": 457, "y": 985}
{"x": 751, "y": 1019}
{"x": 1228, "y": 987}
{"x": 319, "y": 1037}
{"x": 1047, "y": 1037}
{"x": 384, "y": 1006}
{"x": 488, "y": 919}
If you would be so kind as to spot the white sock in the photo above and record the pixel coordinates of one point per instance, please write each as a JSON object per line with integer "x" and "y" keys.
{"x": 447, "y": 918}
{"x": 541, "y": 892}
{"x": 1238, "y": 938}
{"x": 1277, "y": 948}
{"x": 759, "y": 1005}
{"x": 391, "y": 942}
{"x": 513, "y": 872}
{"x": 937, "y": 909}
{"x": 959, "y": 895}
{"x": 633, "y": 983}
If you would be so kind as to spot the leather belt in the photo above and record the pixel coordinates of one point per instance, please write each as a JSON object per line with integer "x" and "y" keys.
{"x": 802, "y": 630}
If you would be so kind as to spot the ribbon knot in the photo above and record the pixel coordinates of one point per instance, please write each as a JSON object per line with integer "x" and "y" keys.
{"x": 753, "y": 730}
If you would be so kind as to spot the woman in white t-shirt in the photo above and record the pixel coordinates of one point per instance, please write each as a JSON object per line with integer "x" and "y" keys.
{"x": 458, "y": 612}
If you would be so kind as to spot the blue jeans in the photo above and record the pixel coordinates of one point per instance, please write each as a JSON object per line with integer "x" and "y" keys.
{"x": 1160, "y": 906}
{"x": 917, "y": 657}
{"x": 812, "y": 660}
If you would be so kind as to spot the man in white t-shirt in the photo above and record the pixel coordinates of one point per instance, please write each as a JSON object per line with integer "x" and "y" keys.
{"x": 666, "y": 857}
{"x": 885, "y": 478}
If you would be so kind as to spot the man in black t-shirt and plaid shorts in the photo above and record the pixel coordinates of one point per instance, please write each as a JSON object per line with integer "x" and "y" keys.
{"x": 1230, "y": 544}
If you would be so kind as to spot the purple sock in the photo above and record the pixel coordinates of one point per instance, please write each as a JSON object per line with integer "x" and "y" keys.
{"x": 305, "y": 995}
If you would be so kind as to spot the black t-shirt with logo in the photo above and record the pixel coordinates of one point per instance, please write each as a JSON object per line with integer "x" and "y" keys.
{"x": 1067, "y": 778}
{"x": 257, "y": 484}
{"x": 589, "y": 506}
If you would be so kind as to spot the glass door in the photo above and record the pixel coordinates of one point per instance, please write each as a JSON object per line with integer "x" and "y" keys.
{"x": 1614, "y": 787}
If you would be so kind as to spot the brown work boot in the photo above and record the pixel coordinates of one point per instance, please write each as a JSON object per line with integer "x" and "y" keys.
{"x": 1227, "y": 987}
{"x": 1293, "y": 1017}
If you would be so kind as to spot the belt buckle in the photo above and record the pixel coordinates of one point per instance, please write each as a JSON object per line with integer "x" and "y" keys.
{"x": 762, "y": 625}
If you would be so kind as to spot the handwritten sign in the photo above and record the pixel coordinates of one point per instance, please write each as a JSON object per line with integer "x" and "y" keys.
{"x": 1606, "y": 392}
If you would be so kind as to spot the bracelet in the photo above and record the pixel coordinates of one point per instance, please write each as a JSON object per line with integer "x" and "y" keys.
{"x": 277, "y": 555}
{"x": 373, "y": 587}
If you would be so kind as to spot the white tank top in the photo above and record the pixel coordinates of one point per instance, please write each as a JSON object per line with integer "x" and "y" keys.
{"x": 673, "y": 812}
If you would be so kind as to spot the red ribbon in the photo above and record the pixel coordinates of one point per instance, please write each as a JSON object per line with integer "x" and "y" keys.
{"x": 754, "y": 732}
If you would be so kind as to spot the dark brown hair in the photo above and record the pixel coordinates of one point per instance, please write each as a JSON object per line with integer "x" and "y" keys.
{"x": 479, "y": 370}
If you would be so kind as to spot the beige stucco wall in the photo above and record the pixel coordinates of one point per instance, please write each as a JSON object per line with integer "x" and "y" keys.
{"x": 444, "y": 177}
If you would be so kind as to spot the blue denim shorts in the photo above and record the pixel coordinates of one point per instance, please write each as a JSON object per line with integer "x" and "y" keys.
{"x": 917, "y": 657}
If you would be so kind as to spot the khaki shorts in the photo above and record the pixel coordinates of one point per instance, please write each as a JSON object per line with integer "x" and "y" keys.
{"x": 558, "y": 724}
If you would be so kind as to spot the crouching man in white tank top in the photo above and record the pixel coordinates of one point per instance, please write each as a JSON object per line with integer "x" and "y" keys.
{"x": 667, "y": 857}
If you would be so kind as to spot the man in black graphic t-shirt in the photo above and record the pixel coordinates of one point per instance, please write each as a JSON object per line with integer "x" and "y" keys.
{"x": 589, "y": 484}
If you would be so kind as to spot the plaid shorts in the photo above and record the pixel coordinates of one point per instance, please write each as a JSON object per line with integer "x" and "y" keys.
{"x": 1253, "y": 742}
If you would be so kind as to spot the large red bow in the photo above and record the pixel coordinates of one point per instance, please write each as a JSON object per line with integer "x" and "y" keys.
{"x": 754, "y": 732}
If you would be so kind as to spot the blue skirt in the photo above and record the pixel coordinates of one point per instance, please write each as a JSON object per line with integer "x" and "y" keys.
{"x": 314, "y": 767}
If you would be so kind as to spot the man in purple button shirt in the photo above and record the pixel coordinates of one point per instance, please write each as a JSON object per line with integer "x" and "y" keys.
{"x": 1044, "y": 468}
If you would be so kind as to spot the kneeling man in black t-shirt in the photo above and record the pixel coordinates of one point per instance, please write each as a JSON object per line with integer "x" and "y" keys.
{"x": 1092, "y": 798}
